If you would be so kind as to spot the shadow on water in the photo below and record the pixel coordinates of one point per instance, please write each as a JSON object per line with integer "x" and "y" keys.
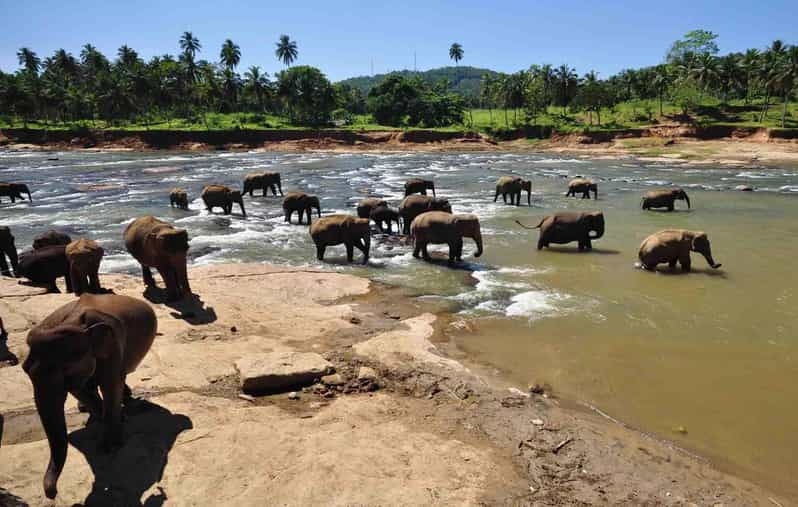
{"x": 575, "y": 250}
{"x": 677, "y": 271}
{"x": 191, "y": 308}
{"x": 122, "y": 477}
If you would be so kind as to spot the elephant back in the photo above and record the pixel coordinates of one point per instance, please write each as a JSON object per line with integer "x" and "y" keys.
{"x": 51, "y": 238}
{"x": 44, "y": 264}
{"x": 84, "y": 249}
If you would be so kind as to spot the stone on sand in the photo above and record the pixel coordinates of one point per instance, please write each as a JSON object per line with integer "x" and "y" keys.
{"x": 281, "y": 371}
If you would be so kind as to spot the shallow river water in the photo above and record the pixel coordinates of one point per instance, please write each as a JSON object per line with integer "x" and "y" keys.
{"x": 714, "y": 353}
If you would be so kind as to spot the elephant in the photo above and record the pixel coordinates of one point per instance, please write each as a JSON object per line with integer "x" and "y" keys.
{"x": 513, "y": 185}
{"x": 562, "y": 228}
{"x": 51, "y": 238}
{"x": 365, "y": 206}
{"x": 419, "y": 186}
{"x": 301, "y": 203}
{"x": 414, "y": 205}
{"x": 156, "y": 244}
{"x": 14, "y": 191}
{"x": 223, "y": 197}
{"x": 266, "y": 180}
{"x": 664, "y": 198}
{"x": 8, "y": 249}
{"x": 45, "y": 266}
{"x": 178, "y": 197}
{"x": 385, "y": 215}
{"x": 439, "y": 227}
{"x": 672, "y": 246}
{"x": 92, "y": 342}
{"x": 583, "y": 186}
{"x": 342, "y": 229}
{"x": 6, "y": 356}
{"x": 84, "y": 257}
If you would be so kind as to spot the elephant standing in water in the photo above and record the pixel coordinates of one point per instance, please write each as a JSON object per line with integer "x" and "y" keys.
{"x": 439, "y": 227}
{"x": 159, "y": 245}
{"x": 14, "y": 191}
{"x": 92, "y": 342}
{"x": 8, "y": 249}
{"x": 84, "y": 257}
{"x": 178, "y": 197}
{"x": 414, "y": 205}
{"x": 562, "y": 228}
{"x": 582, "y": 186}
{"x": 222, "y": 197}
{"x": 264, "y": 181}
{"x": 513, "y": 185}
{"x": 419, "y": 186}
{"x": 365, "y": 206}
{"x": 664, "y": 198}
{"x": 672, "y": 246}
{"x": 342, "y": 229}
{"x": 385, "y": 215}
{"x": 51, "y": 238}
{"x": 302, "y": 203}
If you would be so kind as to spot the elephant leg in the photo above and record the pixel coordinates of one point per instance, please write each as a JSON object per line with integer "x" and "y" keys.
{"x": 146, "y": 273}
{"x": 77, "y": 280}
{"x": 88, "y": 398}
{"x": 113, "y": 389}
{"x": 684, "y": 260}
{"x": 588, "y": 244}
{"x": 425, "y": 252}
{"x": 518, "y": 199}
{"x": 672, "y": 264}
{"x": 168, "y": 275}
{"x": 670, "y": 207}
{"x": 350, "y": 251}
{"x": 504, "y": 198}
{"x": 68, "y": 282}
{"x": 4, "y": 266}
{"x": 496, "y": 197}
{"x": 52, "y": 288}
{"x": 287, "y": 216}
{"x": 320, "y": 252}
{"x": 541, "y": 244}
{"x": 274, "y": 190}
{"x": 416, "y": 248}
{"x": 94, "y": 282}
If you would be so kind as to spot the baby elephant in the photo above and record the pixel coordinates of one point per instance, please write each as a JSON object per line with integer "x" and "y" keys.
{"x": 672, "y": 246}
{"x": 302, "y": 203}
{"x": 156, "y": 244}
{"x": 385, "y": 215}
{"x": 178, "y": 197}
{"x": 365, "y": 206}
{"x": 84, "y": 257}
{"x": 513, "y": 186}
{"x": 220, "y": 196}
{"x": 92, "y": 342}
{"x": 582, "y": 186}
{"x": 7, "y": 249}
{"x": 51, "y": 238}
{"x": 562, "y": 228}
{"x": 342, "y": 229}
{"x": 440, "y": 227}
{"x": 45, "y": 266}
{"x": 665, "y": 198}
{"x": 419, "y": 186}
{"x": 14, "y": 191}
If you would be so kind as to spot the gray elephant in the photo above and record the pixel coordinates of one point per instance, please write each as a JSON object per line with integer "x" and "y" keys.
{"x": 582, "y": 186}
{"x": 44, "y": 266}
{"x": 8, "y": 249}
{"x": 222, "y": 197}
{"x": 156, "y": 244}
{"x": 439, "y": 227}
{"x": 414, "y": 205}
{"x": 386, "y": 215}
{"x": 178, "y": 197}
{"x": 419, "y": 186}
{"x": 14, "y": 191}
{"x": 562, "y": 228}
{"x": 513, "y": 186}
{"x": 674, "y": 245}
{"x": 84, "y": 257}
{"x": 302, "y": 203}
{"x": 350, "y": 231}
{"x": 264, "y": 181}
{"x": 664, "y": 198}
{"x": 365, "y": 206}
{"x": 51, "y": 238}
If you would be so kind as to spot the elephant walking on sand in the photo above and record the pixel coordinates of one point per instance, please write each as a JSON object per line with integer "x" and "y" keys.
{"x": 419, "y": 186}
{"x": 92, "y": 342}
{"x": 264, "y": 181}
{"x": 513, "y": 186}
{"x": 562, "y": 228}
{"x": 414, "y": 205}
{"x": 178, "y": 197}
{"x": 439, "y": 227}
{"x": 582, "y": 186}
{"x": 672, "y": 246}
{"x": 350, "y": 231}
{"x": 14, "y": 191}
{"x": 664, "y": 198}
{"x": 156, "y": 244}
{"x": 302, "y": 203}
{"x": 220, "y": 196}
{"x": 84, "y": 257}
{"x": 8, "y": 249}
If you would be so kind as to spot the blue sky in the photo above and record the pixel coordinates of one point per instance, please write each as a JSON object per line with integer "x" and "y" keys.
{"x": 343, "y": 37}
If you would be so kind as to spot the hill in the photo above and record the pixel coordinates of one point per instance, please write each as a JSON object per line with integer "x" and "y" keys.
{"x": 464, "y": 80}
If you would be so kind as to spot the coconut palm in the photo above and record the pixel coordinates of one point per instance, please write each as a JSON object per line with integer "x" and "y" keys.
{"x": 258, "y": 83}
{"x": 786, "y": 77}
{"x": 768, "y": 72}
{"x": 749, "y": 64}
{"x": 230, "y": 54}
{"x": 660, "y": 82}
{"x": 456, "y": 52}
{"x": 29, "y": 61}
{"x": 286, "y": 50}
{"x": 567, "y": 82}
{"x": 705, "y": 72}
{"x": 190, "y": 45}
{"x": 128, "y": 57}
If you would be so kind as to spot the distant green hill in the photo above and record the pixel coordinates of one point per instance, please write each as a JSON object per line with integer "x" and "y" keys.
{"x": 464, "y": 80}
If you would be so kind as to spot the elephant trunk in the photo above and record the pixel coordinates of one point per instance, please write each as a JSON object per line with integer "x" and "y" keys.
{"x": 432, "y": 186}
{"x": 686, "y": 198}
{"x": 29, "y": 196}
{"x": 241, "y": 205}
{"x": 598, "y": 232}
{"x": 50, "y": 401}
{"x": 366, "y": 248}
{"x": 478, "y": 241}
{"x": 708, "y": 256}
{"x": 595, "y": 192}
{"x": 318, "y": 211}
{"x": 529, "y": 197}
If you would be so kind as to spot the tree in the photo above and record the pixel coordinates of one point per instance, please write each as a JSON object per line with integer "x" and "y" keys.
{"x": 230, "y": 54}
{"x": 592, "y": 96}
{"x": 768, "y": 72}
{"x": 661, "y": 81}
{"x": 786, "y": 78}
{"x": 456, "y": 52}
{"x": 705, "y": 72}
{"x": 29, "y": 61}
{"x": 308, "y": 95}
{"x": 393, "y": 100}
{"x": 686, "y": 95}
{"x": 749, "y": 64}
{"x": 566, "y": 83}
{"x": 190, "y": 45}
{"x": 286, "y": 50}
{"x": 696, "y": 42}
{"x": 258, "y": 83}
{"x": 535, "y": 100}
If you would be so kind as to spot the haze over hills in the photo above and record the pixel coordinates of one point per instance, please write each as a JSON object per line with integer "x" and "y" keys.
{"x": 464, "y": 80}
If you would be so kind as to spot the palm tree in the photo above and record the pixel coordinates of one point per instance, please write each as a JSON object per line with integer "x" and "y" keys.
{"x": 127, "y": 56}
{"x": 456, "y": 52}
{"x": 705, "y": 72}
{"x": 749, "y": 64}
{"x": 258, "y": 83}
{"x": 567, "y": 80}
{"x": 660, "y": 83}
{"x": 286, "y": 50}
{"x": 190, "y": 45}
{"x": 29, "y": 60}
{"x": 230, "y": 54}
{"x": 487, "y": 93}
{"x": 787, "y": 77}
{"x": 768, "y": 72}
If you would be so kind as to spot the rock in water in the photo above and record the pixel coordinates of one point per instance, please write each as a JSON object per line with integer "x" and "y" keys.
{"x": 277, "y": 372}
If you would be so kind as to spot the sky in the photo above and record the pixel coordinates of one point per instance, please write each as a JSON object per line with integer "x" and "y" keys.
{"x": 344, "y": 38}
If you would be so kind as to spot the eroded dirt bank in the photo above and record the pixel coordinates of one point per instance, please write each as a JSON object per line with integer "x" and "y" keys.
{"x": 427, "y": 430}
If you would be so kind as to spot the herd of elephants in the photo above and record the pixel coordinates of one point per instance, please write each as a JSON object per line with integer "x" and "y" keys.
{"x": 87, "y": 347}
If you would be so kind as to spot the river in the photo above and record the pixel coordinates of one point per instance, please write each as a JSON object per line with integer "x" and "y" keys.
{"x": 708, "y": 360}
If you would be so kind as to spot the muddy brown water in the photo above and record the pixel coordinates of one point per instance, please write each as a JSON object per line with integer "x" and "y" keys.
{"x": 708, "y": 360}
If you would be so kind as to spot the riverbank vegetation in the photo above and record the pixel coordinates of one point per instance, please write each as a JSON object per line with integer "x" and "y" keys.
{"x": 185, "y": 92}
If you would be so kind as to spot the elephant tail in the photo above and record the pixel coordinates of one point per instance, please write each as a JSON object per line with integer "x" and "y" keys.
{"x": 527, "y": 227}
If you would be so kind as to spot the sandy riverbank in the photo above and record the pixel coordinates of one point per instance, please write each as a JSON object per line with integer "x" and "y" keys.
{"x": 430, "y": 430}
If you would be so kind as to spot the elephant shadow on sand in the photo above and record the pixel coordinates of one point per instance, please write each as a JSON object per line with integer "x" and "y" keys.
{"x": 122, "y": 477}
{"x": 191, "y": 308}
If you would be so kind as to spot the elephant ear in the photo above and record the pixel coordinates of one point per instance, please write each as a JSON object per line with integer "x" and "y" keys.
{"x": 101, "y": 336}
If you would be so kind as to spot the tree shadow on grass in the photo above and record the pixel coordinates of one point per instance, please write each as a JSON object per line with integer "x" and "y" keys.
{"x": 122, "y": 477}
{"x": 190, "y": 308}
